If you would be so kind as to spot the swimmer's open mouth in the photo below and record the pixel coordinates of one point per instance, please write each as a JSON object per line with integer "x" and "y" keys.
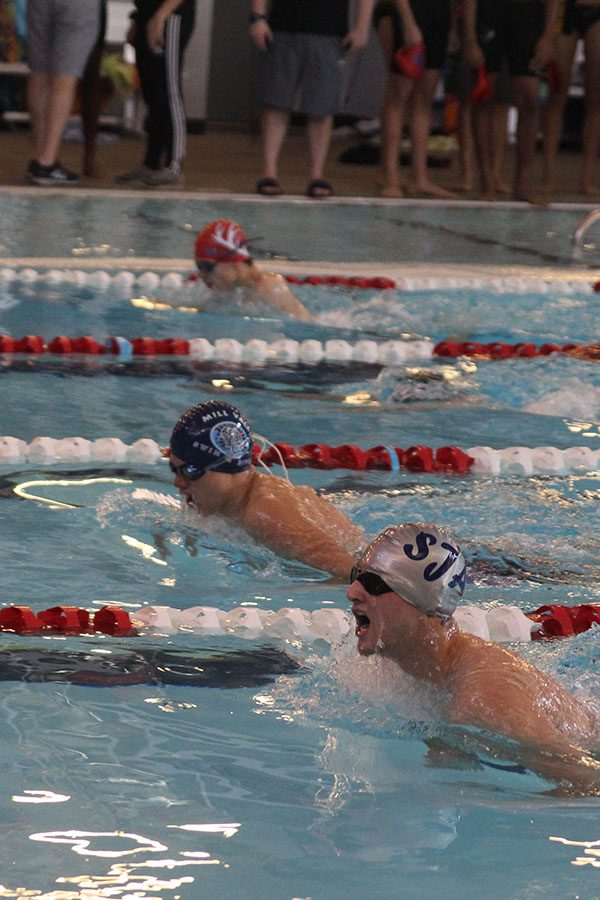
{"x": 362, "y": 623}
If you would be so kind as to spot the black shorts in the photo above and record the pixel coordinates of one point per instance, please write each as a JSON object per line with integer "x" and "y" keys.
{"x": 509, "y": 31}
{"x": 580, "y": 17}
{"x": 432, "y": 17}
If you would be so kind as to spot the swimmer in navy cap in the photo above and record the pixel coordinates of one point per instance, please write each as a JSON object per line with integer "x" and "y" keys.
{"x": 210, "y": 454}
{"x": 404, "y": 589}
{"x": 224, "y": 263}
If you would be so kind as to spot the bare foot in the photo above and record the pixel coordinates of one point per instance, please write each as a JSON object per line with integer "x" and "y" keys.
{"x": 530, "y": 197}
{"x": 590, "y": 190}
{"x": 393, "y": 191}
{"x": 502, "y": 187}
{"x": 429, "y": 189}
{"x": 463, "y": 187}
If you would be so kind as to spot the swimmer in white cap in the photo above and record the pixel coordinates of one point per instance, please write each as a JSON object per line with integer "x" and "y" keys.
{"x": 404, "y": 590}
{"x": 224, "y": 263}
{"x": 210, "y": 454}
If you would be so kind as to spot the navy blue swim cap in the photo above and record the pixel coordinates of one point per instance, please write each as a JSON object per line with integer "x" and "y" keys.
{"x": 213, "y": 435}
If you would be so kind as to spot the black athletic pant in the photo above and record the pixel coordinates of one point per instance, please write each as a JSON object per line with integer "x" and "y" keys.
{"x": 160, "y": 78}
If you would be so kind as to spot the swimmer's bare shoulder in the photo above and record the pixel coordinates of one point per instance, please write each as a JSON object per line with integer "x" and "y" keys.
{"x": 493, "y": 687}
{"x": 273, "y": 288}
{"x": 297, "y": 523}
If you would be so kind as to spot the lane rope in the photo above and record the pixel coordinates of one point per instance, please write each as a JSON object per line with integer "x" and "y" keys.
{"x": 499, "y": 624}
{"x": 286, "y": 350}
{"x": 482, "y": 460}
{"x": 172, "y": 275}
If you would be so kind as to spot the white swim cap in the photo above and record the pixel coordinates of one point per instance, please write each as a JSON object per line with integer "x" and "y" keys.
{"x": 420, "y": 562}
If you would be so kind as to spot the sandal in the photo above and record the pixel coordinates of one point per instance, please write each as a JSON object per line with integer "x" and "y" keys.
{"x": 269, "y": 187}
{"x": 318, "y": 189}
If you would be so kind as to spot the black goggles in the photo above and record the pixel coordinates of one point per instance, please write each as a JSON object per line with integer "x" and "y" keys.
{"x": 372, "y": 583}
{"x": 205, "y": 266}
{"x": 190, "y": 473}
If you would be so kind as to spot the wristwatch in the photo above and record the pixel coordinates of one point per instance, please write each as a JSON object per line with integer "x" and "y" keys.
{"x": 256, "y": 17}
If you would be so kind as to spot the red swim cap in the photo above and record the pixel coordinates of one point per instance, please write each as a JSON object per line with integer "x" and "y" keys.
{"x": 221, "y": 241}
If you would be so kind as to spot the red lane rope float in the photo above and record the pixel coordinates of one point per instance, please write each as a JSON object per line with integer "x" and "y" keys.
{"x": 349, "y": 456}
{"x": 524, "y": 349}
{"x": 564, "y": 621}
{"x": 66, "y": 620}
{"x": 380, "y": 282}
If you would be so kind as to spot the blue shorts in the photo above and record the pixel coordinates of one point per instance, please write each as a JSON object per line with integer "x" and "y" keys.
{"x": 61, "y": 35}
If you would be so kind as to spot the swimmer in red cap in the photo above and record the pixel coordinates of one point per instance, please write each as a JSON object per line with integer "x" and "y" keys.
{"x": 404, "y": 590}
{"x": 210, "y": 454}
{"x": 225, "y": 264}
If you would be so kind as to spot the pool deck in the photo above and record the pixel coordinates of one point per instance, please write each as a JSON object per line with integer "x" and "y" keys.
{"x": 228, "y": 160}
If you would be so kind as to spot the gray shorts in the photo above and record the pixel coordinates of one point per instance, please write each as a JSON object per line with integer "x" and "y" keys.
{"x": 61, "y": 34}
{"x": 308, "y": 68}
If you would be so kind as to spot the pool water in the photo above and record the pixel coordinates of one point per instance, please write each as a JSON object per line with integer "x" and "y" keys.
{"x": 125, "y": 225}
{"x": 264, "y": 768}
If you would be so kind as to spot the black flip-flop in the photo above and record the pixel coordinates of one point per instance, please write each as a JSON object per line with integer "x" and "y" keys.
{"x": 319, "y": 189}
{"x": 269, "y": 187}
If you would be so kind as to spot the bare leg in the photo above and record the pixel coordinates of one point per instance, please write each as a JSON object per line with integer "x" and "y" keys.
{"x": 38, "y": 87}
{"x": 555, "y": 108}
{"x": 525, "y": 90}
{"x": 318, "y": 129}
{"x": 392, "y": 123}
{"x": 466, "y": 146}
{"x": 397, "y": 89}
{"x": 500, "y": 132}
{"x": 91, "y": 102}
{"x": 274, "y": 124}
{"x": 484, "y": 134}
{"x": 52, "y": 120}
{"x": 420, "y": 128}
{"x": 591, "y": 127}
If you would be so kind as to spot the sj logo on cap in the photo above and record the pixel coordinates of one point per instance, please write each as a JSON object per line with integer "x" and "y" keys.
{"x": 424, "y": 541}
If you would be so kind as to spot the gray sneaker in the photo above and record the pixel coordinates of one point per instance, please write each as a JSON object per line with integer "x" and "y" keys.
{"x": 134, "y": 176}
{"x": 163, "y": 178}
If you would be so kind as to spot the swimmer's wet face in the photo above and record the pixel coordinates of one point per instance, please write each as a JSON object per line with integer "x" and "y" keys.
{"x": 408, "y": 571}
{"x": 207, "y": 494}
{"x": 366, "y": 590}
